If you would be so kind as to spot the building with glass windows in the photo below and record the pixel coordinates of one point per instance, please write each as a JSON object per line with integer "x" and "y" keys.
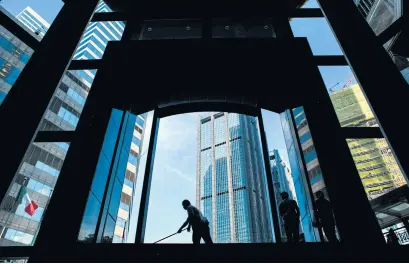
{"x": 33, "y": 21}
{"x": 42, "y": 163}
{"x": 14, "y": 55}
{"x": 232, "y": 186}
{"x": 373, "y": 158}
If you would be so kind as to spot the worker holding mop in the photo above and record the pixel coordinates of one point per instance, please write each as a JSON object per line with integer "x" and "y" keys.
{"x": 198, "y": 222}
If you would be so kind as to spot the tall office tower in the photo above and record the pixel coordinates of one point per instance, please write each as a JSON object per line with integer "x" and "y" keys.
{"x": 231, "y": 181}
{"x": 33, "y": 21}
{"x": 282, "y": 181}
{"x": 376, "y": 165}
{"x": 14, "y": 55}
{"x": 41, "y": 165}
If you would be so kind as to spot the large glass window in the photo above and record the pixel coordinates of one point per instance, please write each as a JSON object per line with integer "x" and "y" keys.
{"x": 214, "y": 160}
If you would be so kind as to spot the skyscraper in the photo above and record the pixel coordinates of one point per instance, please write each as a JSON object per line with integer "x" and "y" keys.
{"x": 231, "y": 182}
{"x": 282, "y": 181}
{"x": 41, "y": 165}
{"x": 373, "y": 158}
{"x": 14, "y": 55}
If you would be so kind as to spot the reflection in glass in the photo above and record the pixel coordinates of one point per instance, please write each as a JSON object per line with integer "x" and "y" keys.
{"x": 301, "y": 187}
{"x": 115, "y": 177}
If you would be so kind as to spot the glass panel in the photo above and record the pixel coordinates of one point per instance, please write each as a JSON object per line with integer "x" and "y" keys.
{"x": 118, "y": 184}
{"x": 319, "y": 34}
{"x": 224, "y": 28}
{"x": 348, "y": 99}
{"x": 90, "y": 218}
{"x": 36, "y": 18}
{"x": 138, "y": 180}
{"x": 170, "y": 29}
{"x": 215, "y": 161}
{"x": 300, "y": 181}
{"x": 14, "y": 55}
{"x": 109, "y": 230}
{"x": 282, "y": 176}
{"x": 380, "y": 14}
{"x": 38, "y": 173}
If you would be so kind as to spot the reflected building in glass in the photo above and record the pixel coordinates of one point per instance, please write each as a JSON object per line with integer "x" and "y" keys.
{"x": 41, "y": 165}
{"x": 231, "y": 184}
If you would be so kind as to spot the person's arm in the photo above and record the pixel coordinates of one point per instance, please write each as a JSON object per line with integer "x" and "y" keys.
{"x": 187, "y": 222}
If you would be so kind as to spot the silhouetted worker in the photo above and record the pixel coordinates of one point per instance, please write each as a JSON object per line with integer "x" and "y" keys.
{"x": 290, "y": 213}
{"x": 325, "y": 217}
{"x": 198, "y": 222}
{"x": 392, "y": 238}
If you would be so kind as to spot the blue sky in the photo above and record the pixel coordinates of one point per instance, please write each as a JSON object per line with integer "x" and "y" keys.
{"x": 174, "y": 173}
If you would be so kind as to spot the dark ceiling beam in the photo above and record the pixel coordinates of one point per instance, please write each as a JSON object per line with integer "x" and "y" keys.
{"x": 362, "y": 132}
{"x": 306, "y": 13}
{"x": 391, "y": 31}
{"x": 84, "y": 64}
{"x": 54, "y": 136}
{"x": 330, "y": 61}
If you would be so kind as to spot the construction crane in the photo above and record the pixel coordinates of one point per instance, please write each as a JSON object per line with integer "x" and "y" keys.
{"x": 348, "y": 82}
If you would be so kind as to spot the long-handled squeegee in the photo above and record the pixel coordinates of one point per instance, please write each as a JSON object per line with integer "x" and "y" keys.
{"x": 168, "y": 236}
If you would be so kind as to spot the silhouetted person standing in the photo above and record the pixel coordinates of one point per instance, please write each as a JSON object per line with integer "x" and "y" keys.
{"x": 325, "y": 217}
{"x": 290, "y": 213}
{"x": 392, "y": 238}
{"x": 198, "y": 222}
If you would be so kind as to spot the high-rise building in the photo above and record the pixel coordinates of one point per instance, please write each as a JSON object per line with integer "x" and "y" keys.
{"x": 14, "y": 55}
{"x": 282, "y": 181}
{"x": 33, "y": 21}
{"x": 373, "y": 158}
{"x": 231, "y": 182}
{"x": 41, "y": 165}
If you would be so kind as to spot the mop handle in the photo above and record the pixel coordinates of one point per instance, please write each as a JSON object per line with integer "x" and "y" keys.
{"x": 168, "y": 236}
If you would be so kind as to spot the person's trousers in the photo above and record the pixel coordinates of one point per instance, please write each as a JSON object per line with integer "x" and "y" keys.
{"x": 292, "y": 230}
{"x": 202, "y": 231}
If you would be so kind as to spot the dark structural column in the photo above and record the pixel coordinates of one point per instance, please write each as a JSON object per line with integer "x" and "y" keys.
{"x": 271, "y": 194}
{"x": 354, "y": 216}
{"x": 146, "y": 187}
{"x": 381, "y": 82}
{"x": 24, "y": 106}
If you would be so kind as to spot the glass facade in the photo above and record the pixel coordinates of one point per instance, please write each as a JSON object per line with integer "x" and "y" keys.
{"x": 110, "y": 200}
{"x": 232, "y": 179}
{"x": 301, "y": 185}
{"x": 14, "y": 55}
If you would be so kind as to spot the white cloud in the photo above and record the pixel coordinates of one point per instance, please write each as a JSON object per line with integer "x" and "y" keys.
{"x": 177, "y": 172}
